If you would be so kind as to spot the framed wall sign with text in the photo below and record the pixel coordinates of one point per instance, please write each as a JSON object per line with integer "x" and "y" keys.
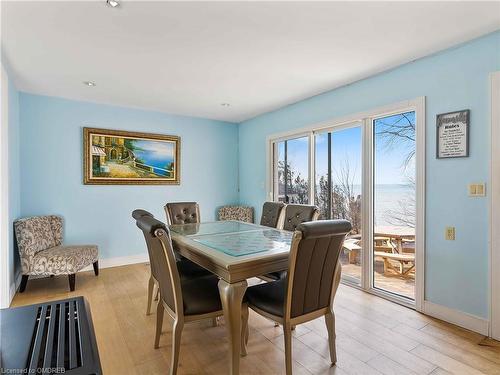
{"x": 452, "y": 134}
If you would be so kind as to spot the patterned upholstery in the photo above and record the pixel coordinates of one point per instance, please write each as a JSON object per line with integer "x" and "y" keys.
{"x": 63, "y": 260}
{"x": 240, "y": 213}
{"x": 39, "y": 240}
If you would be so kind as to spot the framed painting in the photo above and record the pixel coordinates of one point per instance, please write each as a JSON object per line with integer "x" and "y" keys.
{"x": 113, "y": 157}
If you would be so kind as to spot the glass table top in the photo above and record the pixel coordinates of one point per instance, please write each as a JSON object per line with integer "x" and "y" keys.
{"x": 235, "y": 238}
{"x": 215, "y": 227}
{"x": 247, "y": 242}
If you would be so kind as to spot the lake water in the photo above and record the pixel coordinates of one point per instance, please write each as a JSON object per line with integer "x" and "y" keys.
{"x": 391, "y": 200}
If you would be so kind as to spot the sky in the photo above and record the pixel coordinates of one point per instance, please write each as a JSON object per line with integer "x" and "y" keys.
{"x": 346, "y": 147}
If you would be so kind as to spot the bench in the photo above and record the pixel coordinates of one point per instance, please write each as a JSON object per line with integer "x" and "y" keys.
{"x": 401, "y": 258}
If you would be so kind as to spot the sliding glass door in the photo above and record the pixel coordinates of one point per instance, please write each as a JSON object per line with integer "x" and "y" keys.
{"x": 394, "y": 204}
{"x": 368, "y": 171}
{"x": 338, "y": 169}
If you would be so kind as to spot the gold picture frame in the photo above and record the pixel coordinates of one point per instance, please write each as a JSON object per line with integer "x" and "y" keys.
{"x": 116, "y": 157}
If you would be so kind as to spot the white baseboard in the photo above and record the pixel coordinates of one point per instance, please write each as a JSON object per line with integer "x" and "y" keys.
{"x": 120, "y": 261}
{"x": 459, "y": 318}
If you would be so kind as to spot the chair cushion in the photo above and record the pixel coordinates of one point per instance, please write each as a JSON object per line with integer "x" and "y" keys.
{"x": 189, "y": 270}
{"x": 269, "y": 297}
{"x": 63, "y": 260}
{"x": 201, "y": 295}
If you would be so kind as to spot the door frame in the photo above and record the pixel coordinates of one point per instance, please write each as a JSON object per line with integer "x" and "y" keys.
{"x": 494, "y": 251}
{"x": 365, "y": 119}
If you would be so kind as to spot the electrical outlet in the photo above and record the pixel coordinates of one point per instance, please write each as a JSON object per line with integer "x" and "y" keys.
{"x": 477, "y": 190}
{"x": 450, "y": 233}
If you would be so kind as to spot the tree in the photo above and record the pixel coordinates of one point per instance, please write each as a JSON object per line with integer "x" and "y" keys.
{"x": 298, "y": 191}
{"x": 401, "y": 131}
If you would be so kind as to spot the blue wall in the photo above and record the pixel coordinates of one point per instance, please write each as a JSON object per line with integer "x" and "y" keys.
{"x": 51, "y": 173}
{"x": 456, "y": 271}
{"x": 14, "y": 176}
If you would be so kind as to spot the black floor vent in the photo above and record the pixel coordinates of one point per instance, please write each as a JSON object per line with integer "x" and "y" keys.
{"x": 53, "y": 337}
{"x": 55, "y": 343}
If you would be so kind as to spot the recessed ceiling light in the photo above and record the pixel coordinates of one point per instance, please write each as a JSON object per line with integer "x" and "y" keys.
{"x": 89, "y": 83}
{"x": 112, "y": 3}
{"x": 225, "y": 104}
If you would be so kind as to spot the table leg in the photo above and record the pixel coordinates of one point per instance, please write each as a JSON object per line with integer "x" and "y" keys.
{"x": 231, "y": 296}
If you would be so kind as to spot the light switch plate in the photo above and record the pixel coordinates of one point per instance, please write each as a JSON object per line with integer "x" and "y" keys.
{"x": 450, "y": 233}
{"x": 477, "y": 190}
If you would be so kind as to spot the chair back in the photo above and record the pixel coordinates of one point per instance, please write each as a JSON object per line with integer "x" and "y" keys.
{"x": 271, "y": 212}
{"x": 314, "y": 257}
{"x": 162, "y": 259}
{"x": 37, "y": 233}
{"x": 182, "y": 212}
{"x": 296, "y": 214}
{"x": 240, "y": 213}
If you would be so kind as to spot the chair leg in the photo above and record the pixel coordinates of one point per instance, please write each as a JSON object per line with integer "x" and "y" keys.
{"x": 96, "y": 267}
{"x": 244, "y": 329}
{"x": 287, "y": 330}
{"x": 159, "y": 323}
{"x": 157, "y": 294}
{"x": 330, "y": 326}
{"x": 72, "y": 279}
{"x": 151, "y": 285}
{"x": 24, "y": 282}
{"x": 176, "y": 345}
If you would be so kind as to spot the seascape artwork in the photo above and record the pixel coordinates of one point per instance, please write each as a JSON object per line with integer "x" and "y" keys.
{"x": 115, "y": 157}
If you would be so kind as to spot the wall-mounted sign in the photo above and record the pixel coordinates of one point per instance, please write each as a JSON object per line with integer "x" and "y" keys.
{"x": 452, "y": 134}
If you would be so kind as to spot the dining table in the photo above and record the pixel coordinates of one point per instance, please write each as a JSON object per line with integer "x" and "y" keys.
{"x": 234, "y": 251}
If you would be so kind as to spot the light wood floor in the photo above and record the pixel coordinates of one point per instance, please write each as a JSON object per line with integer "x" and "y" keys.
{"x": 374, "y": 336}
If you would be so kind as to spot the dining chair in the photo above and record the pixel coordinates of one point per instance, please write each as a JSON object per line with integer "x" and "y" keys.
{"x": 182, "y": 212}
{"x": 272, "y": 214}
{"x": 294, "y": 215}
{"x": 309, "y": 289}
{"x": 184, "y": 299}
{"x": 187, "y": 269}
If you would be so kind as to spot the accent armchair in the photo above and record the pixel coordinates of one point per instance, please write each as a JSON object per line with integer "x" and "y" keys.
{"x": 240, "y": 213}
{"x": 40, "y": 244}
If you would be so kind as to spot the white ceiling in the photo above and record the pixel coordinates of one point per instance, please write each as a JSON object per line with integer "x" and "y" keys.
{"x": 188, "y": 58}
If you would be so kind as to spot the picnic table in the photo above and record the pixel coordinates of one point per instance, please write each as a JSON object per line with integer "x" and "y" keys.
{"x": 391, "y": 243}
{"x": 395, "y": 243}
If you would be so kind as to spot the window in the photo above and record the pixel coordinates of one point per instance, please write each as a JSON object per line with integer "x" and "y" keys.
{"x": 292, "y": 170}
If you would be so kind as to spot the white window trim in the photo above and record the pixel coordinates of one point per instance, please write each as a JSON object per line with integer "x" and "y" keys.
{"x": 365, "y": 118}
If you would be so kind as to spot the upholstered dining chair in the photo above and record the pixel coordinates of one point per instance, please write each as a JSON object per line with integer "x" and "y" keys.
{"x": 182, "y": 212}
{"x": 272, "y": 214}
{"x": 40, "y": 245}
{"x": 184, "y": 299}
{"x": 296, "y": 214}
{"x": 187, "y": 269}
{"x": 309, "y": 289}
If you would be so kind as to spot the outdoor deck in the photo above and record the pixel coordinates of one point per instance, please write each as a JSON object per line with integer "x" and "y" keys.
{"x": 390, "y": 281}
